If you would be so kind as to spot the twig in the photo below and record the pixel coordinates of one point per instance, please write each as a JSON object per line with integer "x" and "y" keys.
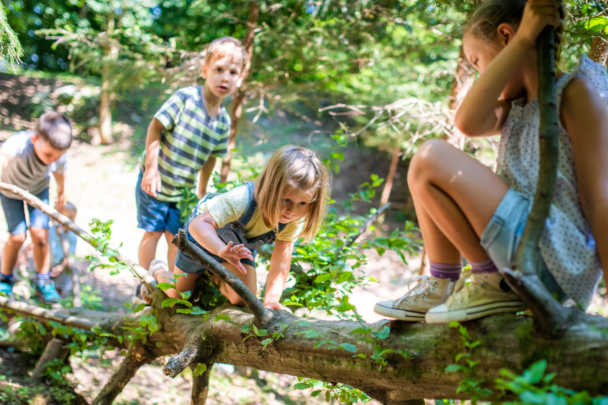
{"x": 35, "y": 202}
{"x": 47, "y": 314}
{"x": 253, "y": 303}
{"x": 367, "y": 224}
{"x": 70, "y": 267}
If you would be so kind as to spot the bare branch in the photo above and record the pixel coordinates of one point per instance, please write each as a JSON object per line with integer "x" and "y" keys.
{"x": 261, "y": 314}
{"x": 35, "y": 202}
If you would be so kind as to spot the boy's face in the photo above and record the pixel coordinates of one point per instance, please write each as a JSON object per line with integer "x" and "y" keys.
{"x": 45, "y": 152}
{"x": 223, "y": 72}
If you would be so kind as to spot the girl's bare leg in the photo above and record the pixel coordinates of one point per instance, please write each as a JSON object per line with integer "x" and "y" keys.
{"x": 250, "y": 280}
{"x": 455, "y": 198}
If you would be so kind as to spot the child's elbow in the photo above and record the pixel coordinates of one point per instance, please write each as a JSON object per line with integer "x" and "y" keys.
{"x": 464, "y": 124}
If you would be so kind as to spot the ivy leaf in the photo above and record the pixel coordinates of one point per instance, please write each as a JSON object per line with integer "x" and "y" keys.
{"x": 349, "y": 347}
{"x": 343, "y": 277}
{"x": 172, "y": 301}
{"x": 382, "y": 333}
{"x": 199, "y": 369}
{"x": 222, "y": 317}
{"x": 166, "y": 286}
{"x": 456, "y": 367}
{"x": 301, "y": 386}
{"x": 323, "y": 277}
{"x": 266, "y": 342}
{"x": 309, "y": 334}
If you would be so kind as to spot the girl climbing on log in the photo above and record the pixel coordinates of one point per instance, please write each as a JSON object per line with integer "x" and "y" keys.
{"x": 465, "y": 208}
{"x": 286, "y": 202}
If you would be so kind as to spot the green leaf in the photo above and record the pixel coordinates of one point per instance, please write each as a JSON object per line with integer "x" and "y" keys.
{"x": 382, "y": 333}
{"x": 338, "y": 155}
{"x": 361, "y": 355}
{"x": 302, "y": 386}
{"x": 184, "y": 311}
{"x": 169, "y": 302}
{"x": 199, "y": 369}
{"x": 166, "y": 286}
{"x": 315, "y": 393}
{"x": 266, "y": 342}
{"x": 323, "y": 277}
{"x": 349, "y": 347}
{"x": 343, "y": 277}
{"x": 455, "y": 367}
{"x": 222, "y": 317}
{"x": 309, "y": 334}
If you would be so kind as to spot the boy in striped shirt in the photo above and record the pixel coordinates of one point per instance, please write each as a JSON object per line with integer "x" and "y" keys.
{"x": 185, "y": 137}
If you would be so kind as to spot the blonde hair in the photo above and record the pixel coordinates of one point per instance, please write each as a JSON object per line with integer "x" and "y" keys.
{"x": 218, "y": 43}
{"x": 300, "y": 169}
{"x": 490, "y": 14}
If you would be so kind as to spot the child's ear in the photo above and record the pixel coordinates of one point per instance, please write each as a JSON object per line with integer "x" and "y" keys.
{"x": 204, "y": 71}
{"x": 505, "y": 33}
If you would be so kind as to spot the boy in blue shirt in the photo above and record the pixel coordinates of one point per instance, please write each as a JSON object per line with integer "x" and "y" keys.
{"x": 26, "y": 160}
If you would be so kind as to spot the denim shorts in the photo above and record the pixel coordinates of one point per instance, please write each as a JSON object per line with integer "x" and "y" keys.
{"x": 501, "y": 237}
{"x": 187, "y": 264}
{"x": 14, "y": 211}
{"x": 154, "y": 215}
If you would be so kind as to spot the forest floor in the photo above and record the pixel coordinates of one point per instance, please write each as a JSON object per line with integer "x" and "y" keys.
{"x": 101, "y": 183}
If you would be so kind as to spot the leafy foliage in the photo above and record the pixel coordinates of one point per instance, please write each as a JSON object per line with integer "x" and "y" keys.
{"x": 344, "y": 394}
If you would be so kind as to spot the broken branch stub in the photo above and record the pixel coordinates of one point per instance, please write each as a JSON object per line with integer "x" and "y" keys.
{"x": 262, "y": 315}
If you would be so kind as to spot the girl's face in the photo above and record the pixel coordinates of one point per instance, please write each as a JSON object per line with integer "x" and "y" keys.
{"x": 480, "y": 53}
{"x": 294, "y": 204}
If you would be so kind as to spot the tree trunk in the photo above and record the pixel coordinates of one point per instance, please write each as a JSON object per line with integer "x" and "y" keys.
{"x": 110, "y": 53}
{"x": 239, "y": 96}
{"x": 599, "y": 50}
{"x": 200, "y": 386}
{"x": 413, "y": 368}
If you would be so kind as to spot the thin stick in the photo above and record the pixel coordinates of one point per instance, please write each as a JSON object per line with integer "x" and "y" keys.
{"x": 70, "y": 267}
{"x": 367, "y": 224}
{"x": 253, "y": 303}
{"x": 35, "y": 202}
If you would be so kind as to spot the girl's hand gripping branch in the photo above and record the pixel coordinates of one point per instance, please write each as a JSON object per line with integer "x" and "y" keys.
{"x": 234, "y": 254}
{"x": 537, "y": 15}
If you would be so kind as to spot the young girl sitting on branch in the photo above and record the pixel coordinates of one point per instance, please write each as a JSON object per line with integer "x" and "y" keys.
{"x": 465, "y": 208}
{"x": 287, "y": 202}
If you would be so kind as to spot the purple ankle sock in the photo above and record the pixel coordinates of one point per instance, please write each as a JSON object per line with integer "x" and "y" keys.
{"x": 484, "y": 267}
{"x": 451, "y": 271}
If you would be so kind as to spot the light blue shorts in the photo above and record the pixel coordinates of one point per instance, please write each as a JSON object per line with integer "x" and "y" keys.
{"x": 501, "y": 237}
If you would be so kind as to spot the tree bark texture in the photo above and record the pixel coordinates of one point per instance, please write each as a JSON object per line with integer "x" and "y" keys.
{"x": 390, "y": 177}
{"x": 579, "y": 355}
{"x": 200, "y": 386}
{"x": 599, "y": 50}
{"x": 239, "y": 97}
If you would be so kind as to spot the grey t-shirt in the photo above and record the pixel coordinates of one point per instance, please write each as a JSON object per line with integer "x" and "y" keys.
{"x": 25, "y": 169}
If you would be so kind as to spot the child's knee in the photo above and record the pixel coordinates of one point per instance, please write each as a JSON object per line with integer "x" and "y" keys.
{"x": 40, "y": 236}
{"x": 17, "y": 240}
{"x": 153, "y": 235}
{"x": 425, "y": 160}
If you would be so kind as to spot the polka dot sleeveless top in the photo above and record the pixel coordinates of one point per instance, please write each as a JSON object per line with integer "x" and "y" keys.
{"x": 567, "y": 245}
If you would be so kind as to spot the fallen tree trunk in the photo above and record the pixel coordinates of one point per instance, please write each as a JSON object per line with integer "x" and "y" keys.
{"x": 413, "y": 366}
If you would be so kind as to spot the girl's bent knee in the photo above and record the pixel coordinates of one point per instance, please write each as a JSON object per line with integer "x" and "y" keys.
{"x": 425, "y": 161}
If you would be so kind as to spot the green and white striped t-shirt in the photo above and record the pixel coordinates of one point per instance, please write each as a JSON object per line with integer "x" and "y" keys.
{"x": 190, "y": 137}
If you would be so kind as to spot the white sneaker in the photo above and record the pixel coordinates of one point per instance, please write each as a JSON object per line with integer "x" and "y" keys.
{"x": 486, "y": 294}
{"x": 427, "y": 293}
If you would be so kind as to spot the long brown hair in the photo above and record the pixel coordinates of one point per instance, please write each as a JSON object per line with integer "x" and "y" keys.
{"x": 490, "y": 14}
{"x": 300, "y": 169}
